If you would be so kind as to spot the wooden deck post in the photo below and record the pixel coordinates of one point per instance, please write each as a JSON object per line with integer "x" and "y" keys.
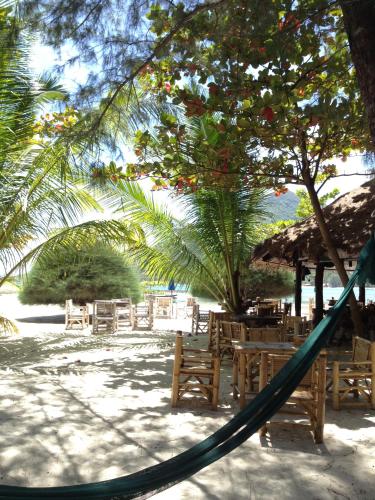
{"x": 319, "y": 305}
{"x": 362, "y": 294}
{"x": 298, "y": 288}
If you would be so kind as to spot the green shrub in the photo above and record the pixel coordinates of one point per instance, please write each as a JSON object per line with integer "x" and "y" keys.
{"x": 81, "y": 274}
{"x": 259, "y": 282}
{"x": 267, "y": 283}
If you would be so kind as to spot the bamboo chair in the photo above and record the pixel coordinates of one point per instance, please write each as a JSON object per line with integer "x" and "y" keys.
{"x": 308, "y": 400}
{"x": 258, "y": 335}
{"x": 104, "y": 317}
{"x": 143, "y": 318}
{"x": 76, "y": 316}
{"x": 196, "y": 372}
{"x": 355, "y": 377}
{"x": 163, "y": 307}
{"x": 124, "y": 310}
{"x": 226, "y": 331}
{"x": 213, "y": 317}
{"x": 190, "y": 303}
{"x": 199, "y": 320}
{"x": 271, "y": 334}
{"x": 295, "y": 328}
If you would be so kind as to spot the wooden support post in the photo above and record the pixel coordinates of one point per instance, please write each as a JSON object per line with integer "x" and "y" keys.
{"x": 319, "y": 305}
{"x": 176, "y": 368}
{"x": 298, "y": 289}
{"x": 362, "y": 294}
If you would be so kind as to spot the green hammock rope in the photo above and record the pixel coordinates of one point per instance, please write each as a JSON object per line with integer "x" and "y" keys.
{"x": 232, "y": 434}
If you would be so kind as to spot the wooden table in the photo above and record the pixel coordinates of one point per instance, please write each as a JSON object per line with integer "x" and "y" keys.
{"x": 246, "y": 363}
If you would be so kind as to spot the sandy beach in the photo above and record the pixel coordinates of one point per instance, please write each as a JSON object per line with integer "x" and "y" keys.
{"x": 77, "y": 408}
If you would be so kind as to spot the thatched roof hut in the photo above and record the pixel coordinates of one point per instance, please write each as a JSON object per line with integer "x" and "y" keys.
{"x": 351, "y": 221}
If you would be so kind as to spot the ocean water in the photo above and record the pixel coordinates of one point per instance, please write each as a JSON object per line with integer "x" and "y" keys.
{"x": 329, "y": 292}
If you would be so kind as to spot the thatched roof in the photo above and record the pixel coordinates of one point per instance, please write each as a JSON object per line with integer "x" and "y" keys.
{"x": 351, "y": 221}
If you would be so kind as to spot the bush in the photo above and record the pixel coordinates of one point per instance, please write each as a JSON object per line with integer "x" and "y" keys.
{"x": 267, "y": 283}
{"x": 258, "y": 282}
{"x": 81, "y": 274}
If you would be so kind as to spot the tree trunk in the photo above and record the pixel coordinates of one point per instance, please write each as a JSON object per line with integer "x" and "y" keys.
{"x": 332, "y": 251}
{"x": 359, "y": 20}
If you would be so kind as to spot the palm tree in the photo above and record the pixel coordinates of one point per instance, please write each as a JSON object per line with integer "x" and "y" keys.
{"x": 42, "y": 195}
{"x": 207, "y": 247}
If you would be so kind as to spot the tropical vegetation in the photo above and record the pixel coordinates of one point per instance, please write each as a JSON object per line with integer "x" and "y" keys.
{"x": 43, "y": 194}
{"x": 82, "y": 273}
{"x": 207, "y": 245}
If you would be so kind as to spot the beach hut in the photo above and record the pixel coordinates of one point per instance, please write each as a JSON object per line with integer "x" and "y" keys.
{"x": 351, "y": 221}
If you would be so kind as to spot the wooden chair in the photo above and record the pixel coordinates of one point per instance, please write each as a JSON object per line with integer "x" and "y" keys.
{"x": 226, "y": 331}
{"x": 104, "y": 317}
{"x": 274, "y": 334}
{"x": 355, "y": 377}
{"x": 213, "y": 317}
{"x": 308, "y": 400}
{"x": 196, "y": 372}
{"x": 124, "y": 311}
{"x": 143, "y": 318}
{"x": 199, "y": 320}
{"x": 266, "y": 335}
{"x": 163, "y": 307}
{"x": 190, "y": 303}
{"x": 76, "y": 316}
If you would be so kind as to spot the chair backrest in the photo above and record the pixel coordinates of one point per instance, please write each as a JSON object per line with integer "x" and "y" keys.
{"x": 314, "y": 380}
{"x": 164, "y": 301}
{"x": 190, "y": 301}
{"x": 277, "y": 361}
{"x": 68, "y": 305}
{"x": 230, "y": 329}
{"x": 213, "y": 317}
{"x": 104, "y": 307}
{"x": 361, "y": 349}
{"x": 262, "y": 334}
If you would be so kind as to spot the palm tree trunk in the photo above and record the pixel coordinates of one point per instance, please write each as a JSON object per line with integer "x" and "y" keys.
{"x": 359, "y": 20}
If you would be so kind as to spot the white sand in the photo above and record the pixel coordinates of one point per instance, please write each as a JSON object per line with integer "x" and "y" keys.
{"x": 77, "y": 408}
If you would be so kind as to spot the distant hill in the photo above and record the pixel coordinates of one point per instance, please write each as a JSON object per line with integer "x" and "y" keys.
{"x": 282, "y": 207}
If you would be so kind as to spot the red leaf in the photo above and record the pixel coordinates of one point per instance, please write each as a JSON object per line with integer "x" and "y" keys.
{"x": 268, "y": 113}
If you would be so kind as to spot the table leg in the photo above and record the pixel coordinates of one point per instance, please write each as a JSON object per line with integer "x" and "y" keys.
{"x": 235, "y": 376}
{"x": 242, "y": 379}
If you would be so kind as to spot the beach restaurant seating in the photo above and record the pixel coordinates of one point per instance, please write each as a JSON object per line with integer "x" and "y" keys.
{"x": 355, "y": 377}
{"x": 124, "y": 311}
{"x": 143, "y": 318}
{"x": 196, "y": 375}
{"x": 163, "y": 307}
{"x": 213, "y": 317}
{"x": 267, "y": 334}
{"x": 104, "y": 317}
{"x": 307, "y": 401}
{"x": 227, "y": 331}
{"x": 76, "y": 316}
{"x": 199, "y": 320}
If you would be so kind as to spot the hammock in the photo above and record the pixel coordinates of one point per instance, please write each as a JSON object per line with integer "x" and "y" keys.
{"x": 228, "y": 437}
